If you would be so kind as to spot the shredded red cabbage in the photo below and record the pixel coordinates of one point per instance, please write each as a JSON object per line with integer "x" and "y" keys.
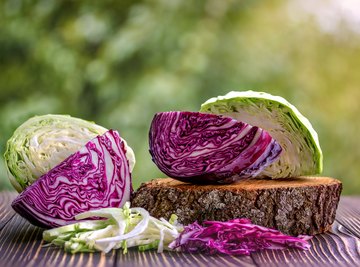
{"x": 234, "y": 237}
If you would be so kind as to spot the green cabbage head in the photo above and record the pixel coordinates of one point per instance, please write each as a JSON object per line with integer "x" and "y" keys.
{"x": 301, "y": 153}
{"x": 43, "y": 142}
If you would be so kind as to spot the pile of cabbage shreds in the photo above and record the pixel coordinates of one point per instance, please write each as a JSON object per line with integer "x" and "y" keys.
{"x": 133, "y": 227}
{"x": 123, "y": 228}
{"x": 234, "y": 237}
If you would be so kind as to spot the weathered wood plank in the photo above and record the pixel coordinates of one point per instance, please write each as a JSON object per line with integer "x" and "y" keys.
{"x": 348, "y": 214}
{"x": 6, "y": 212}
{"x": 21, "y": 245}
{"x": 330, "y": 249}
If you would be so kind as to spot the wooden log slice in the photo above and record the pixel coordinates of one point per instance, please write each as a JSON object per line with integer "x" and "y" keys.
{"x": 295, "y": 206}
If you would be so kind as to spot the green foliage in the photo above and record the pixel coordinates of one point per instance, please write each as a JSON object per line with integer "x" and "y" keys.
{"x": 119, "y": 62}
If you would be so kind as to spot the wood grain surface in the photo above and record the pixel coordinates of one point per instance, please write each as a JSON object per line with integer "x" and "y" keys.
{"x": 21, "y": 245}
{"x": 6, "y": 212}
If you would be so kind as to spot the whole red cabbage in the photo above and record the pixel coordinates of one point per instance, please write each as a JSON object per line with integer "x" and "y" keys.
{"x": 97, "y": 176}
{"x": 207, "y": 148}
{"x": 234, "y": 237}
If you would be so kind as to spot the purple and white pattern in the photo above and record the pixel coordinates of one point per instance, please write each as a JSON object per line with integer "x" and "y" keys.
{"x": 234, "y": 237}
{"x": 202, "y": 148}
{"x": 97, "y": 176}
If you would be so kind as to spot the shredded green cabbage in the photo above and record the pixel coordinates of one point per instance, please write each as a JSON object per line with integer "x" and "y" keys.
{"x": 123, "y": 228}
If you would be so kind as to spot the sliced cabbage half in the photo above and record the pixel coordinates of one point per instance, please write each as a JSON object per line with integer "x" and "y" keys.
{"x": 301, "y": 153}
{"x": 42, "y": 142}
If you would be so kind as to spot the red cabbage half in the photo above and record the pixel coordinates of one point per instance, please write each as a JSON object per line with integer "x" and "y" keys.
{"x": 97, "y": 176}
{"x": 207, "y": 148}
{"x": 234, "y": 237}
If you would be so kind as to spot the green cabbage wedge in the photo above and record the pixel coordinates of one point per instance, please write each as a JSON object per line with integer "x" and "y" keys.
{"x": 301, "y": 153}
{"x": 43, "y": 142}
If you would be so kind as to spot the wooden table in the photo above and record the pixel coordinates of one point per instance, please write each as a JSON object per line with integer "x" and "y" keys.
{"x": 21, "y": 245}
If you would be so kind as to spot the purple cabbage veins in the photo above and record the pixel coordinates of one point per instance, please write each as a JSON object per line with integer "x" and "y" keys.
{"x": 206, "y": 148}
{"x": 97, "y": 176}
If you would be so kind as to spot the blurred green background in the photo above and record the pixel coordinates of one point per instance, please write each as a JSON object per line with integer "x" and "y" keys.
{"x": 119, "y": 62}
